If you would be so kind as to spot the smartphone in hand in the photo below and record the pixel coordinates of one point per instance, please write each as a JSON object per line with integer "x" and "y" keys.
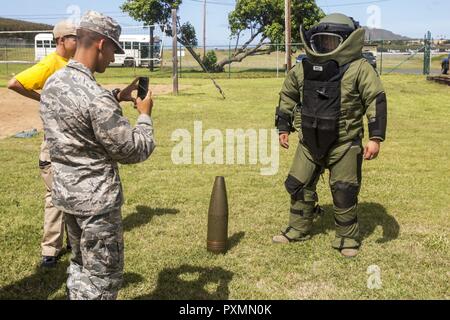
{"x": 143, "y": 87}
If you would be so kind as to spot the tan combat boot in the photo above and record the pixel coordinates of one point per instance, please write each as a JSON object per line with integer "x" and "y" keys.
{"x": 280, "y": 239}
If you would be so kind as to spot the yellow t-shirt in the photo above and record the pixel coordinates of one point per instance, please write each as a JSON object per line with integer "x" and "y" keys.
{"x": 34, "y": 78}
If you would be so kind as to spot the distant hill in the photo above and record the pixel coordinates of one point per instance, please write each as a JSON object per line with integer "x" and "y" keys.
{"x": 20, "y": 25}
{"x": 381, "y": 34}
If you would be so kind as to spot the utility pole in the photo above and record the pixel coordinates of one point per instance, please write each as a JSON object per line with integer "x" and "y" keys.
{"x": 427, "y": 54}
{"x": 175, "y": 51}
{"x": 287, "y": 14}
{"x": 152, "y": 47}
{"x": 382, "y": 50}
{"x": 204, "y": 29}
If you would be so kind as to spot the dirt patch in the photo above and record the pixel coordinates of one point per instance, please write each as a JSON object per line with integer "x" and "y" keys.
{"x": 18, "y": 113}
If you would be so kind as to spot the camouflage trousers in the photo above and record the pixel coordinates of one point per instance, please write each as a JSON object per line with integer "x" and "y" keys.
{"x": 344, "y": 163}
{"x": 96, "y": 268}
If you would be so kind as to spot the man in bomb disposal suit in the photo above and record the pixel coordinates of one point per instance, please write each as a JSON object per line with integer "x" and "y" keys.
{"x": 88, "y": 136}
{"x": 325, "y": 98}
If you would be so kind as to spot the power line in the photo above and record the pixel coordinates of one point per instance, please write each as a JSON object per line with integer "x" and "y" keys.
{"x": 353, "y": 4}
{"x": 50, "y": 14}
{"x": 215, "y": 3}
{"x": 61, "y": 18}
{"x": 324, "y": 6}
{"x": 119, "y": 14}
{"x": 42, "y": 20}
{"x": 55, "y": 16}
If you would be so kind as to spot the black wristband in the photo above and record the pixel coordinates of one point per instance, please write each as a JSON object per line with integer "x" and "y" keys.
{"x": 377, "y": 125}
{"x": 115, "y": 93}
{"x": 283, "y": 121}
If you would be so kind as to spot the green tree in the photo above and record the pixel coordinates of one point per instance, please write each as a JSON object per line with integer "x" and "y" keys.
{"x": 265, "y": 21}
{"x": 210, "y": 60}
{"x": 159, "y": 12}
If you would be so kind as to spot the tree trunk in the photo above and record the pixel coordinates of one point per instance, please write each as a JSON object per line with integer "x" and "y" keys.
{"x": 193, "y": 54}
{"x": 241, "y": 54}
{"x": 200, "y": 62}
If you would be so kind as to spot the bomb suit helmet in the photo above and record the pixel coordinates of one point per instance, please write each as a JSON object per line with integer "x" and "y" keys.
{"x": 330, "y": 33}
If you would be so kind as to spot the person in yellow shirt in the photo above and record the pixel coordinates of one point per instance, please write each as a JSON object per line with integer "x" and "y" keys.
{"x": 27, "y": 83}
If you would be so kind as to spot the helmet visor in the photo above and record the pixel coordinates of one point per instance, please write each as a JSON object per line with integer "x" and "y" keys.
{"x": 324, "y": 42}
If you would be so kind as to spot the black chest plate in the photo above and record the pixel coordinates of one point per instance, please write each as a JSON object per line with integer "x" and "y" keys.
{"x": 321, "y": 106}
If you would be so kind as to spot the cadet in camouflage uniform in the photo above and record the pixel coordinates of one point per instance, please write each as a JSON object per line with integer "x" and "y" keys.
{"x": 325, "y": 98}
{"x": 88, "y": 136}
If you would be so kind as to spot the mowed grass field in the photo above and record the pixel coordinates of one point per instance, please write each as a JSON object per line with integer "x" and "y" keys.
{"x": 404, "y": 209}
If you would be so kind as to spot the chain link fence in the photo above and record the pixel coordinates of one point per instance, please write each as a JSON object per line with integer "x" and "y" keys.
{"x": 407, "y": 57}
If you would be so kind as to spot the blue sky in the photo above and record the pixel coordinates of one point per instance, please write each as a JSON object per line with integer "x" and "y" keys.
{"x": 406, "y": 17}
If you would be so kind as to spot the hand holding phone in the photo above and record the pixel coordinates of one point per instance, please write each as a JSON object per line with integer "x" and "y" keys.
{"x": 145, "y": 106}
{"x": 143, "y": 87}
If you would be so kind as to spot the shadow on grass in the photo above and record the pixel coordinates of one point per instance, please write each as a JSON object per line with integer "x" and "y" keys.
{"x": 44, "y": 283}
{"x": 38, "y": 286}
{"x": 193, "y": 283}
{"x": 143, "y": 215}
{"x": 234, "y": 240}
{"x": 130, "y": 278}
{"x": 370, "y": 215}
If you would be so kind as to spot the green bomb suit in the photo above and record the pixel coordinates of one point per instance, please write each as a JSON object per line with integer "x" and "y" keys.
{"x": 348, "y": 79}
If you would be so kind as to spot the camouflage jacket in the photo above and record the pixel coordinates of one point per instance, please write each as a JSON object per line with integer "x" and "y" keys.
{"x": 88, "y": 136}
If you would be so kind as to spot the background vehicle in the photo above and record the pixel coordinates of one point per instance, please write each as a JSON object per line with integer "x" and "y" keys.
{"x": 369, "y": 56}
{"x": 137, "y": 51}
{"x": 136, "y": 47}
{"x": 300, "y": 58}
{"x": 44, "y": 44}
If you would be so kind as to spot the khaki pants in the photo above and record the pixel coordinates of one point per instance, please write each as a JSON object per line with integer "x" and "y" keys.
{"x": 52, "y": 241}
